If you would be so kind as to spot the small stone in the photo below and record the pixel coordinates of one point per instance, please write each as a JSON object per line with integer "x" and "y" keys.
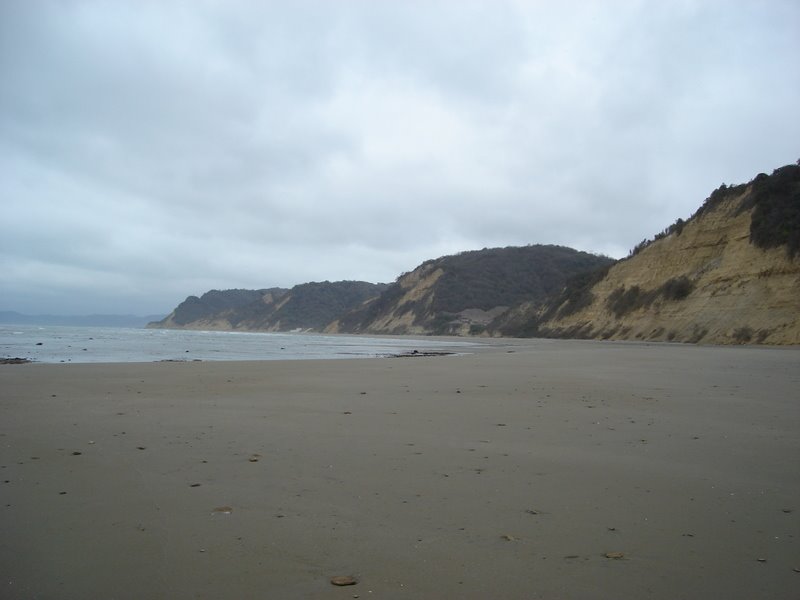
{"x": 225, "y": 510}
{"x": 762, "y": 560}
{"x": 194, "y": 485}
{"x": 509, "y": 538}
{"x": 76, "y": 453}
{"x": 342, "y": 580}
{"x": 615, "y": 555}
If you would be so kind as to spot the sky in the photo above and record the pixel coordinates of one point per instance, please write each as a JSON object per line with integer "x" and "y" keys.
{"x": 153, "y": 149}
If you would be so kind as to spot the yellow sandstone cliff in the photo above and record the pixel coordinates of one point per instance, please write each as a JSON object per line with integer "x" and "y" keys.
{"x": 705, "y": 283}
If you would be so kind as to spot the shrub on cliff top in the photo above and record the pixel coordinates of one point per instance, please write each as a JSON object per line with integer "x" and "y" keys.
{"x": 776, "y": 216}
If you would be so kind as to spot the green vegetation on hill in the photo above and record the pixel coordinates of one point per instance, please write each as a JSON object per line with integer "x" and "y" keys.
{"x": 506, "y": 276}
{"x": 480, "y": 279}
{"x": 213, "y": 302}
{"x": 775, "y": 220}
{"x": 622, "y": 301}
{"x": 314, "y": 305}
{"x": 360, "y": 318}
{"x": 776, "y": 217}
{"x": 305, "y": 306}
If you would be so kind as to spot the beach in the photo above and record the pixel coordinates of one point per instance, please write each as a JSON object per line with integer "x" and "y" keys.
{"x": 528, "y": 469}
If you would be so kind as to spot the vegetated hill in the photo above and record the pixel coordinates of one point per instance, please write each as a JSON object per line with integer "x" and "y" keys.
{"x": 461, "y": 294}
{"x": 729, "y": 274}
{"x": 309, "y": 306}
{"x": 194, "y": 312}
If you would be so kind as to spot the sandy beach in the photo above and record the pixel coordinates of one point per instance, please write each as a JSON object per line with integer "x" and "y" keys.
{"x": 530, "y": 469}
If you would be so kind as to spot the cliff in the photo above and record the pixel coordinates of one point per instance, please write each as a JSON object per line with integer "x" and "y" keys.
{"x": 730, "y": 274}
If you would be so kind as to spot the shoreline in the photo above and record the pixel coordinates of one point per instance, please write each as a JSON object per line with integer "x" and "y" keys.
{"x": 511, "y": 472}
{"x": 72, "y": 348}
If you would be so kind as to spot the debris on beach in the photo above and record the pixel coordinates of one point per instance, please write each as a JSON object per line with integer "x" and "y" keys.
{"x": 615, "y": 555}
{"x": 254, "y": 457}
{"x": 417, "y": 354}
{"x": 15, "y": 361}
{"x": 342, "y": 580}
{"x": 225, "y": 510}
{"x": 509, "y": 538}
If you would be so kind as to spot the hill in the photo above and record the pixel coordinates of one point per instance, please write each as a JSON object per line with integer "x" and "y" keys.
{"x": 309, "y": 306}
{"x": 729, "y": 274}
{"x": 463, "y": 293}
{"x": 213, "y": 306}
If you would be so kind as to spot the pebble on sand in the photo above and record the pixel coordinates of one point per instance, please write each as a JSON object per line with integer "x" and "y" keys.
{"x": 343, "y": 580}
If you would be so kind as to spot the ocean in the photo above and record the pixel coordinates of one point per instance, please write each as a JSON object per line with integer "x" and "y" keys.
{"x": 60, "y": 344}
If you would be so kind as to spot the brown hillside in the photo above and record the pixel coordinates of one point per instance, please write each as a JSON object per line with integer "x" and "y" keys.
{"x": 706, "y": 281}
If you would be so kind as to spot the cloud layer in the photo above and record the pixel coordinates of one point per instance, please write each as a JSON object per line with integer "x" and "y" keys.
{"x": 149, "y": 150}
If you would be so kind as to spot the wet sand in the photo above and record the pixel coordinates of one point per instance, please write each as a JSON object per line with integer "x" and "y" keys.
{"x": 510, "y": 473}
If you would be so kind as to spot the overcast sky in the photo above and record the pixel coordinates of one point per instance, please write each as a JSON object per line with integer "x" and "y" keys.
{"x": 153, "y": 149}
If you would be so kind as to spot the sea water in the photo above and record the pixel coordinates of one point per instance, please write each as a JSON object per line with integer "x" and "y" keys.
{"x": 55, "y": 344}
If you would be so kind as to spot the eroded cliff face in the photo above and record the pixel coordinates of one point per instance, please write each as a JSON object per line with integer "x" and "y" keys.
{"x": 706, "y": 284}
{"x": 462, "y": 293}
{"x": 399, "y": 312}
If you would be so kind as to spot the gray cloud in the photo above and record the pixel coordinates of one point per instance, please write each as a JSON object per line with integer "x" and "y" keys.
{"x": 149, "y": 150}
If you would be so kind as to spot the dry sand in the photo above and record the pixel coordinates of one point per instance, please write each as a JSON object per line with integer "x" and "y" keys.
{"x": 510, "y": 473}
